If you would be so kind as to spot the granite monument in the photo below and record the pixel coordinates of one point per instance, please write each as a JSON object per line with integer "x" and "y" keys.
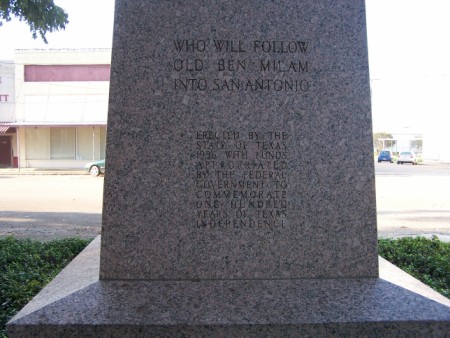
{"x": 239, "y": 198}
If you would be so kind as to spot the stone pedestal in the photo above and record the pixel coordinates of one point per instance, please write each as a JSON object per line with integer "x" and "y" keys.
{"x": 239, "y": 196}
{"x": 78, "y": 304}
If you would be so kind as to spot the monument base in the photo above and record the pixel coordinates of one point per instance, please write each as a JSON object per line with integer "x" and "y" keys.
{"x": 77, "y": 304}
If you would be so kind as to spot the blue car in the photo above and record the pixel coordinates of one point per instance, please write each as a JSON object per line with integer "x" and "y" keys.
{"x": 385, "y": 155}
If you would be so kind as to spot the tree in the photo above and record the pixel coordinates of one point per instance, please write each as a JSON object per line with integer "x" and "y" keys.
{"x": 380, "y": 135}
{"x": 417, "y": 144}
{"x": 41, "y": 15}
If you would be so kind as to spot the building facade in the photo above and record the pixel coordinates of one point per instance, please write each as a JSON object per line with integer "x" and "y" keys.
{"x": 53, "y": 111}
{"x": 57, "y": 112}
{"x": 7, "y": 134}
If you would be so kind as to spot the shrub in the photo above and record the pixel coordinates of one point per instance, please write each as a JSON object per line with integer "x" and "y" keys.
{"x": 26, "y": 266}
{"x": 426, "y": 259}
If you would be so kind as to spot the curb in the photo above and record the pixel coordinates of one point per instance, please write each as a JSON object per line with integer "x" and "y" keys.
{"x": 27, "y": 171}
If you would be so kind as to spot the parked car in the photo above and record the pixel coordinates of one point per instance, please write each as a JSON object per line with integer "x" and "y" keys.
{"x": 407, "y": 157}
{"x": 385, "y": 155}
{"x": 95, "y": 168}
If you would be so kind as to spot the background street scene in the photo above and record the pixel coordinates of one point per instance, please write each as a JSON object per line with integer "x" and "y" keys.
{"x": 411, "y": 200}
{"x": 51, "y": 206}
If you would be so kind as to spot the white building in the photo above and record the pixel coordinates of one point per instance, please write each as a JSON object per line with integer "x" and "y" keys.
{"x": 437, "y": 147}
{"x": 60, "y": 107}
{"x": 7, "y": 133}
{"x": 53, "y": 111}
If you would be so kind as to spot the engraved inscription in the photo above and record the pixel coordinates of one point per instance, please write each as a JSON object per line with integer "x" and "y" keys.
{"x": 226, "y": 65}
{"x": 241, "y": 179}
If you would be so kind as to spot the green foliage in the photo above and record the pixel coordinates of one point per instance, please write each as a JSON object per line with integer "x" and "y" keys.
{"x": 41, "y": 15}
{"x": 27, "y": 266}
{"x": 426, "y": 259}
{"x": 417, "y": 145}
{"x": 380, "y": 135}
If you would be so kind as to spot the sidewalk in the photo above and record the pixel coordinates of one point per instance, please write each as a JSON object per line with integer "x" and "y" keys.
{"x": 39, "y": 171}
{"x": 436, "y": 163}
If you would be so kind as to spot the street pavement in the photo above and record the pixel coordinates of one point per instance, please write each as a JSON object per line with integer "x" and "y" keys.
{"x": 413, "y": 200}
{"x": 50, "y": 206}
{"x": 47, "y": 204}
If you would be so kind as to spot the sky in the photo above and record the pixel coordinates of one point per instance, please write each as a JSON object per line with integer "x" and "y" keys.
{"x": 90, "y": 26}
{"x": 409, "y": 61}
{"x": 409, "y": 55}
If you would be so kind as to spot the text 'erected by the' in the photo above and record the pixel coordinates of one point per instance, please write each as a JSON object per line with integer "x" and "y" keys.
{"x": 241, "y": 179}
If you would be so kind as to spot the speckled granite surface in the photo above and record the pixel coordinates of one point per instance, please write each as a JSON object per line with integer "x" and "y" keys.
{"x": 394, "y": 305}
{"x": 239, "y": 142}
{"x": 239, "y": 198}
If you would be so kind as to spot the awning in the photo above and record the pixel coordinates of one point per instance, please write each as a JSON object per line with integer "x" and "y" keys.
{"x": 3, "y": 129}
{"x": 53, "y": 124}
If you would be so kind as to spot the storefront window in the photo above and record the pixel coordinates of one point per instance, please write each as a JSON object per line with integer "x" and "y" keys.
{"x": 102, "y": 142}
{"x": 37, "y": 143}
{"x": 85, "y": 143}
{"x": 62, "y": 143}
